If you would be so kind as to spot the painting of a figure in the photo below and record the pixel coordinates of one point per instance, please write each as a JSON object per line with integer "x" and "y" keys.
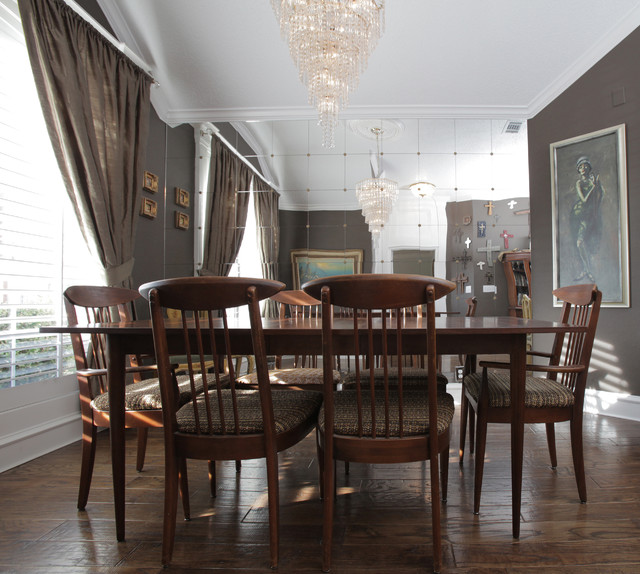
{"x": 589, "y": 199}
{"x": 308, "y": 264}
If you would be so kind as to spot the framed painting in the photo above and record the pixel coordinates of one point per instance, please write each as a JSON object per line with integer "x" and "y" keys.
{"x": 589, "y": 214}
{"x": 149, "y": 208}
{"x": 308, "y": 264}
{"x": 150, "y": 182}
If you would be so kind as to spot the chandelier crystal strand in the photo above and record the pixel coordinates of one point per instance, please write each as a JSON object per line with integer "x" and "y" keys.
{"x": 330, "y": 42}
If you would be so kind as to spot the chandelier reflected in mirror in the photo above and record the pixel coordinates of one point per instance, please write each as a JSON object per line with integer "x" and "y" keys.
{"x": 376, "y": 195}
{"x": 330, "y": 42}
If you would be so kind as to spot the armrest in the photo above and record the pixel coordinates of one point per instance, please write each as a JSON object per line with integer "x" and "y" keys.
{"x": 531, "y": 367}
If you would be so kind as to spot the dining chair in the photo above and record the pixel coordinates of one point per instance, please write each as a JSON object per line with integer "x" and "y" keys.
{"x": 556, "y": 397}
{"x": 296, "y": 305}
{"x": 465, "y": 412}
{"x": 99, "y": 304}
{"x": 388, "y": 423}
{"x": 223, "y": 422}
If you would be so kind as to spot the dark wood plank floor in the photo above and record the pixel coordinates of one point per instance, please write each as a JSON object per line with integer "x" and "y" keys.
{"x": 382, "y": 513}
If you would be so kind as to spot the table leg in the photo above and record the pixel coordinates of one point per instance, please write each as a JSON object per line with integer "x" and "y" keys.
{"x": 116, "y": 378}
{"x": 518, "y": 377}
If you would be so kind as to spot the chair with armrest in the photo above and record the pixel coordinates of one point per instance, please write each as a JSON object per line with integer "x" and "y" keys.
{"x": 305, "y": 374}
{"x": 387, "y": 423}
{"x": 224, "y": 422}
{"x": 98, "y": 304}
{"x": 556, "y": 397}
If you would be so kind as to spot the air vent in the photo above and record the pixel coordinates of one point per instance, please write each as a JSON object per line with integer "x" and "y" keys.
{"x": 512, "y": 127}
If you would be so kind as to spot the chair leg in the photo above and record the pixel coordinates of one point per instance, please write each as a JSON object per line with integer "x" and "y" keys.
{"x": 435, "y": 512}
{"x": 551, "y": 443}
{"x": 238, "y": 465}
{"x": 172, "y": 465}
{"x": 578, "y": 456}
{"x": 464, "y": 409}
{"x": 320, "y": 455}
{"x": 212, "y": 479}
{"x": 481, "y": 443}
{"x": 184, "y": 489}
{"x": 346, "y": 467}
{"x": 444, "y": 473}
{"x": 143, "y": 433}
{"x": 472, "y": 429}
{"x": 274, "y": 506}
{"x": 89, "y": 435}
{"x": 327, "y": 513}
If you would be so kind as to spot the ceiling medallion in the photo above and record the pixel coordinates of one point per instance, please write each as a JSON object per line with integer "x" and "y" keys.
{"x": 330, "y": 42}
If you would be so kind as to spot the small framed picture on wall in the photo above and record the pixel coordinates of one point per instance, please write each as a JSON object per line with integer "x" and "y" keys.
{"x": 182, "y": 220}
{"x": 150, "y": 182}
{"x": 182, "y": 197}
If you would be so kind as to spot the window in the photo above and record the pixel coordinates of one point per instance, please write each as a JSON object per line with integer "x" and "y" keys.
{"x": 41, "y": 248}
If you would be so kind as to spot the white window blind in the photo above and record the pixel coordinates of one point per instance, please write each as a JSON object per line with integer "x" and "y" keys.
{"x": 41, "y": 248}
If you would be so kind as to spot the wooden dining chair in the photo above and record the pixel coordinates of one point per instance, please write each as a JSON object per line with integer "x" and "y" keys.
{"x": 223, "y": 422}
{"x": 98, "y": 304}
{"x": 467, "y": 414}
{"x": 388, "y": 423}
{"x": 556, "y": 397}
{"x": 296, "y": 305}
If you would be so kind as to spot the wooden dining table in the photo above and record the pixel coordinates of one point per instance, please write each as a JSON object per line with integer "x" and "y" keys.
{"x": 455, "y": 335}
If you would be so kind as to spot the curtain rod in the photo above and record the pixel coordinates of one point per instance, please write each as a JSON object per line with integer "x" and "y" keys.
{"x": 215, "y": 131}
{"x": 128, "y": 52}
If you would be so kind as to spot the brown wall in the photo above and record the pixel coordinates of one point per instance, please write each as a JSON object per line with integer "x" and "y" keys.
{"x": 587, "y": 106}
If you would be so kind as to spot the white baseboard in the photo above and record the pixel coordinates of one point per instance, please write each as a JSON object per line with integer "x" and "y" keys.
{"x": 32, "y": 442}
{"x": 619, "y": 405}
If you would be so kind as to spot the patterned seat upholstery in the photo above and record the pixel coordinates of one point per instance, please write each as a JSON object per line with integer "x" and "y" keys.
{"x": 411, "y": 377}
{"x": 145, "y": 395}
{"x": 301, "y": 376}
{"x": 290, "y": 409}
{"x": 539, "y": 392}
{"x": 415, "y": 412}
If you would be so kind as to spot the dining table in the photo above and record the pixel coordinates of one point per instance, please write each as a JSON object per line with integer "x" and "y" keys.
{"x": 471, "y": 336}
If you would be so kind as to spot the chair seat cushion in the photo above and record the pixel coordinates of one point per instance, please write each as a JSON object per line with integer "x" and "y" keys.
{"x": 145, "y": 395}
{"x": 290, "y": 409}
{"x": 411, "y": 377}
{"x": 539, "y": 392}
{"x": 300, "y": 376}
{"x": 416, "y": 413}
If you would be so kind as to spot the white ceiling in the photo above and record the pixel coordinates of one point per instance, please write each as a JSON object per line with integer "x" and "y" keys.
{"x": 223, "y": 60}
{"x": 438, "y": 60}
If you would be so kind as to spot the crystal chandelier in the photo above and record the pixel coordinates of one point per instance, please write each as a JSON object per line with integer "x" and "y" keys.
{"x": 330, "y": 42}
{"x": 376, "y": 195}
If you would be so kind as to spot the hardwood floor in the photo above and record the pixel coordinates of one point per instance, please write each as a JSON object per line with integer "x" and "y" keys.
{"x": 382, "y": 522}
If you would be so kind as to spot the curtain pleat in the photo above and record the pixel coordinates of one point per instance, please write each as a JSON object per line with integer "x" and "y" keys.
{"x": 226, "y": 210}
{"x": 266, "y": 202}
{"x": 96, "y": 106}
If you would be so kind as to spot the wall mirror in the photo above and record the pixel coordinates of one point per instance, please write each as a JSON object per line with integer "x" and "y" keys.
{"x": 465, "y": 160}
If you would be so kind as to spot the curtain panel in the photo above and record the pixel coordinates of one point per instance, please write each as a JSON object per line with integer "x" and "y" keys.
{"x": 96, "y": 105}
{"x": 266, "y": 202}
{"x": 226, "y": 210}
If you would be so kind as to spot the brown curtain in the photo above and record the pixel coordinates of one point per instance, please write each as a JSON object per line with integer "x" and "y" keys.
{"x": 226, "y": 211}
{"x": 96, "y": 106}
{"x": 266, "y": 201}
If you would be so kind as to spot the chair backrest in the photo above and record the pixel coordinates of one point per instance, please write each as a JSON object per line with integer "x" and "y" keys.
{"x": 580, "y": 307}
{"x": 203, "y": 329}
{"x": 376, "y": 301}
{"x": 296, "y": 304}
{"x": 96, "y": 304}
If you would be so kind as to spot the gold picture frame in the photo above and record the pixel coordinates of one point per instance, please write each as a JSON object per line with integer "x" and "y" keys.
{"x": 150, "y": 182}
{"x": 308, "y": 264}
{"x": 183, "y": 197}
{"x": 149, "y": 208}
{"x": 182, "y": 220}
